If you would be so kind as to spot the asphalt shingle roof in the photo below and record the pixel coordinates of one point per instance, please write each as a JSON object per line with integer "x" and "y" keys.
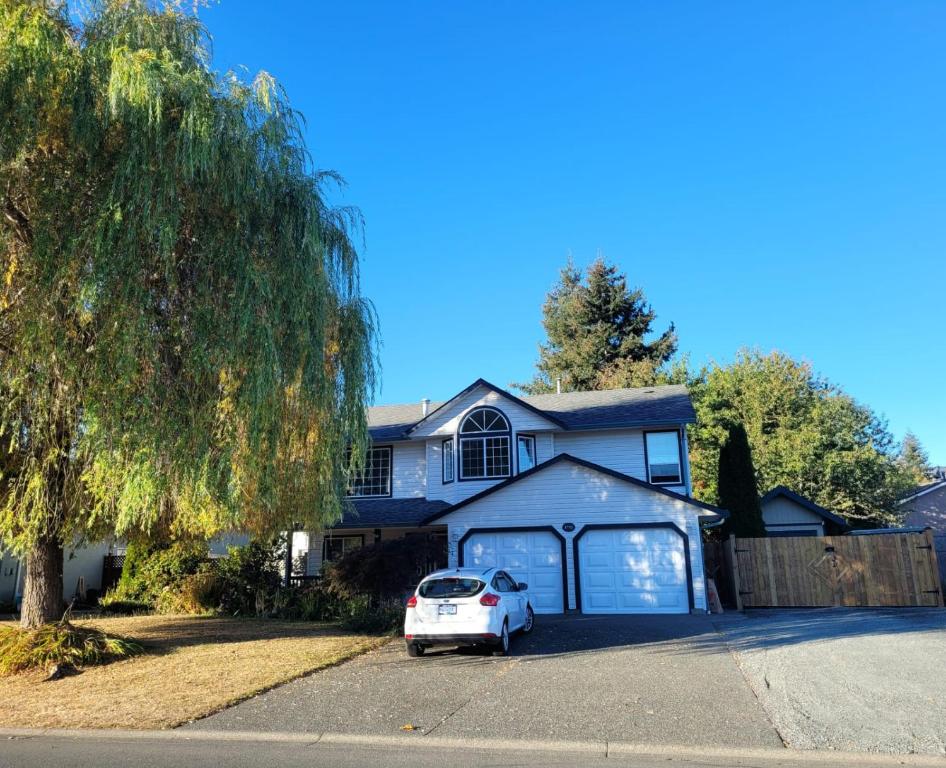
{"x": 390, "y": 513}
{"x": 631, "y": 407}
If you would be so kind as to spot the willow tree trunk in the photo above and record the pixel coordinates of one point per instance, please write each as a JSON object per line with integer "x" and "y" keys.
{"x": 42, "y": 590}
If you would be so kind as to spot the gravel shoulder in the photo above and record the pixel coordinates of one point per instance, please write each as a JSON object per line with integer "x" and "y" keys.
{"x": 846, "y": 679}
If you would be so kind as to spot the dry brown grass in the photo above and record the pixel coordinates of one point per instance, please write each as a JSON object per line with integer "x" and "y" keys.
{"x": 192, "y": 666}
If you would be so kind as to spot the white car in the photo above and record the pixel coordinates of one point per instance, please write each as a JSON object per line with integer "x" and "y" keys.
{"x": 467, "y": 606}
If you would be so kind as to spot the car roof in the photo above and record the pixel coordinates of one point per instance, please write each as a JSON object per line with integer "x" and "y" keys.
{"x": 465, "y": 572}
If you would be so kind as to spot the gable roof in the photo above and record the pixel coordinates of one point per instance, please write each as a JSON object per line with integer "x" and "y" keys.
{"x": 502, "y": 392}
{"x": 921, "y": 490}
{"x": 781, "y": 490}
{"x": 716, "y": 511}
{"x": 601, "y": 409}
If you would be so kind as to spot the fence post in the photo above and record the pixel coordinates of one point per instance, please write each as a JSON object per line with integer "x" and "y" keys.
{"x": 736, "y": 581}
{"x": 934, "y": 563}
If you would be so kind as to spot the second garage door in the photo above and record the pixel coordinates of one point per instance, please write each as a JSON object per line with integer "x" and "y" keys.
{"x": 534, "y": 557}
{"x": 632, "y": 570}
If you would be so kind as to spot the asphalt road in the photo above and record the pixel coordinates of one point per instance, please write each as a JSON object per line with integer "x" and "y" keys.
{"x": 159, "y": 751}
{"x": 643, "y": 679}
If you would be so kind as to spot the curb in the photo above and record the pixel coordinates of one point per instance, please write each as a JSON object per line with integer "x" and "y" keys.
{"x": 601, "y": 748}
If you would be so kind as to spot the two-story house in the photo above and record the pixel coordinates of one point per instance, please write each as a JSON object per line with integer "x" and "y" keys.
{"x": 583, "y": 495}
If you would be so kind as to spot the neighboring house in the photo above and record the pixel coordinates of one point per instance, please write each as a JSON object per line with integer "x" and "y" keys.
{"x": 925, "y": 507}
{"x": 85, "y": 563}
{"x": 79, "y": 563}
{"x": 584, "y": 495}
{"x": 785, "y": 513}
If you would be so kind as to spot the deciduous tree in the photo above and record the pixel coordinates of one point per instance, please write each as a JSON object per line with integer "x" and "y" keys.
{"x": 805, "y": 433}
{"x": 183, "y": 343}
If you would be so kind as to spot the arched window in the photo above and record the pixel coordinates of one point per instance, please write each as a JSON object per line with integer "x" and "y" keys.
{"x": 484, "y": 445}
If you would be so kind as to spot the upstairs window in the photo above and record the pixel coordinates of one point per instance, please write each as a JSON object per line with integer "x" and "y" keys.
{"x": 526, "y": 457}
{"x": 662, "y": 453}
{"x": 449, "y": 461}
{"x": 375, "y": 478}
{"x": 484, "y": 445}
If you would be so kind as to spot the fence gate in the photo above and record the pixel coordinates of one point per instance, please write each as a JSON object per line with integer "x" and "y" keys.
{"x": 897, "y": 569}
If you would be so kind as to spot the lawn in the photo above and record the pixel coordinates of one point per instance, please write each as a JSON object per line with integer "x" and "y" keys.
{"x": 192, "y": 667}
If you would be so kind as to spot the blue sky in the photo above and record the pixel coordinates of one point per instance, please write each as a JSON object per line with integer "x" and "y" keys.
{"x": 773, "y": 175}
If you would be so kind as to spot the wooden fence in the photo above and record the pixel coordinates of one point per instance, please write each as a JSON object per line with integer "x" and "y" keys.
{"x": 897, "y": 569}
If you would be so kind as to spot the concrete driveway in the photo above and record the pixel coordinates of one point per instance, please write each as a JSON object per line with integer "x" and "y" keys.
{"x": 843, "y": 679}
{"x": 646, "y": 679}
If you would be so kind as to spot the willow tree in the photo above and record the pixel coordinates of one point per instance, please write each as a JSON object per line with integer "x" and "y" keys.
{"x": 183, "y": 343}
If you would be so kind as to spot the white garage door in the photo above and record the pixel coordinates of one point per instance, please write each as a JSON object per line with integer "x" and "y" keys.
{"x": 534, "y": 557}
{"x": 632, "y": 570}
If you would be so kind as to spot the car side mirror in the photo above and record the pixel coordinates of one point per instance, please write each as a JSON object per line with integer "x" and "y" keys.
{"x": 522, "y": 586}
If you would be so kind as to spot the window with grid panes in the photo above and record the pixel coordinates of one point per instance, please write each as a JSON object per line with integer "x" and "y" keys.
{"x": 375, "y": 479}
{"x": 484, "y": 445}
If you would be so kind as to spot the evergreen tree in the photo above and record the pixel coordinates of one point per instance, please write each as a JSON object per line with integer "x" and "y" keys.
{"x": 914, "y": 460}
{"x": 738, "y": 492}
{"x": 183, "y": 343}
{"x": 597, "y": 329}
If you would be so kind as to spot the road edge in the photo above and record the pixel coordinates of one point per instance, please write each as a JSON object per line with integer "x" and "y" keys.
{"x": 603, "y": 748}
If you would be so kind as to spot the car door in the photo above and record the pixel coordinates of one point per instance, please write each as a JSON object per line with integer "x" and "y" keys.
{"x": 516, "y": 602}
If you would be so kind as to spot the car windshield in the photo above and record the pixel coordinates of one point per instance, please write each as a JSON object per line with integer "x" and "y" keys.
{"x": 451, "y": 586}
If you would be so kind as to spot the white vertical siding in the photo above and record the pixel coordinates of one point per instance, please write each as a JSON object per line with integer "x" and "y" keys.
{"x": 567, "y": 492}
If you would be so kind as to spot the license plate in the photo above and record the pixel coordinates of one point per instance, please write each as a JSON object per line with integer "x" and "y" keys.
{"x": 447, "y": 610}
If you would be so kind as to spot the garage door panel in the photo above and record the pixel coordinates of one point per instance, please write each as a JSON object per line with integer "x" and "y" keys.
{"x": 626, "y": 570}
{"x": 534, "y": 557}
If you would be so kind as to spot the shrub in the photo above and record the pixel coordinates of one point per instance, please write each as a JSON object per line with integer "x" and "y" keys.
{"x": 385, "y": 570}
{"x": 367, "y": 614}
{"x": 310, "y": 602}
{"x": 116, "y": 605}
{"x": 150, "y": 573}
{"x": 196, "y": 593}
{"x": 249, "y": 579}
{"x": 63, "y": 644}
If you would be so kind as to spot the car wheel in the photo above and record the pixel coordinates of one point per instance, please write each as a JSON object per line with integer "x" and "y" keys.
{"x": 414, "y": 650}
{"x": 502, "y": 646}
{"x": 530, "y": 621}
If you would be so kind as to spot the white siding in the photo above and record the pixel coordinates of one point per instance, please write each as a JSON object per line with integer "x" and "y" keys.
{"x": 567, "y": 492}
{"x": 8, "y": 576}
{"x": 446, "y": 421}
{"x": 409, "y": 474}
{"x": 618, "y": 449}
{"x": 86, "y": 562}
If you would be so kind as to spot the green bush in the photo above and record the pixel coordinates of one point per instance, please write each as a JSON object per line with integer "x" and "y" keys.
{"x": 118, "y": 606}
{"x": 62, "y": 643}
{"x": 150, "y": 573}
{"x": 367, "y": 614}
{"x": 196, "y": 593}
{"x": 249, "y": 579}
{"x": 310, "y": 602}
